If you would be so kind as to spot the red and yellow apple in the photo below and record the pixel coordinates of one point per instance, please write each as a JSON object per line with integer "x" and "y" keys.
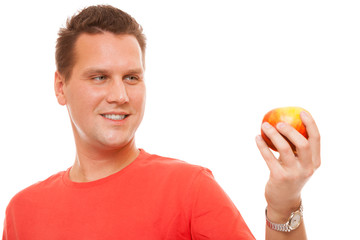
{"x": 289, "y": 115}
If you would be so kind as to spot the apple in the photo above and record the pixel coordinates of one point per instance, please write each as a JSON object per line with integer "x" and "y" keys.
{"x": 290, "y": 115}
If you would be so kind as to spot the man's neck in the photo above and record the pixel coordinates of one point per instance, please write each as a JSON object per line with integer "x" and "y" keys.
{"x": 94, "y": 164}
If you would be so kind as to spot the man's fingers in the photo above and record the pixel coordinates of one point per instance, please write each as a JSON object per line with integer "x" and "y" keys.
{"x": 314, "y": 137}
{"x": 302, "y": 145}
{"x": 282, "y": 146}
{"x": 271, "y": 161}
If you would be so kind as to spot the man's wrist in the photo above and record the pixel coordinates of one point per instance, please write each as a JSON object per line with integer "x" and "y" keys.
{"x": 284, "y": 222}
{"x": 281, "y": 213}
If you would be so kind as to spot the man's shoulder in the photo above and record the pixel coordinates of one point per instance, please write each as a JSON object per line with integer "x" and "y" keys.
{"x": 173, "y": 165}
{"x": 38, "y": 189}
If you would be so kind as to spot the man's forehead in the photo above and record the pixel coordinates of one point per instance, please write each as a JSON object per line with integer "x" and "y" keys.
{"x": 108, "y": 48}
{"x": 104, "y": 39}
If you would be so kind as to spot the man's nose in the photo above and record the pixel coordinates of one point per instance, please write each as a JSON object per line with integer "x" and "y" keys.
{"x": 117, "y": 92}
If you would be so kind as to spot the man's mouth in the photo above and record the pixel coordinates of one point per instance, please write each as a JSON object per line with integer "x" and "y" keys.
{"x": 114, "y": 116}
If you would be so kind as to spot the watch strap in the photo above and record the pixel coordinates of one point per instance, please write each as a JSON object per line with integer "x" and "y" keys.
{"x": 285, "y": 227}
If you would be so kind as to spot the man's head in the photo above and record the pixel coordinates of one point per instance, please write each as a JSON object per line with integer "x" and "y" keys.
{"x": 100, "y": 77}
{"x": 93, "y": 20}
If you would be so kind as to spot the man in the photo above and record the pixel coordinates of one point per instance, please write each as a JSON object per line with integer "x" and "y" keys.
{"x": 115, "y": 190}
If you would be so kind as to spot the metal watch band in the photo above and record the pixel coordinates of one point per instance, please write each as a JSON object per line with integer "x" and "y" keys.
{"x": 285, "y": 227}
{"x": 278, "y": 227}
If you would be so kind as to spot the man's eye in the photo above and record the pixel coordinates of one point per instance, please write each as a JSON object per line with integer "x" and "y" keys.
{"x": 99, "y": 78}
{"x": 131, "y": 78}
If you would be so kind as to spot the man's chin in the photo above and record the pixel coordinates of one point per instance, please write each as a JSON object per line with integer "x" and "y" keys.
{"x": 115, "y": 144}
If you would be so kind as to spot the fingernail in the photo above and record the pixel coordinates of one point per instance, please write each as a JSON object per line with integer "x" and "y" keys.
{"x": 304, "y": 114}
{"x": 280, "y": 125}
{"x": 266, "y": 125}
{"x": 258, "y": 138}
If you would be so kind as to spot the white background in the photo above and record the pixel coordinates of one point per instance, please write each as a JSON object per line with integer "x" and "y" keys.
{"x": 214, "y": 68}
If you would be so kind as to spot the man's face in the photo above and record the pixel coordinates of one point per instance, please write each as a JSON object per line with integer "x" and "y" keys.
{"x": 105, "y": 95}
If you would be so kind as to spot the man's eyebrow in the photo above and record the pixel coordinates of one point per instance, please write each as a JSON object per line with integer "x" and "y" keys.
{"x": 90, "y": 71}
{"x": 135, "y": 71}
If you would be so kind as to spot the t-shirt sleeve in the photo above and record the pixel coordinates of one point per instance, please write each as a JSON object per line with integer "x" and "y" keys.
{"x": 214, "y": 216}
{"x": 8, "y": 229}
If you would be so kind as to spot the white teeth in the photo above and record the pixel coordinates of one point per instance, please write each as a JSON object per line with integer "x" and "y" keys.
{"x": 114, "y": 116}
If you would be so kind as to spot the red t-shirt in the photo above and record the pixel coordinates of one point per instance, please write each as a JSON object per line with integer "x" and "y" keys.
{"x": 152, "y": 198}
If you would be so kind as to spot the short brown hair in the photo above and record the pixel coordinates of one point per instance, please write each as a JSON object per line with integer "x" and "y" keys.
{"x": 93, "y": 20}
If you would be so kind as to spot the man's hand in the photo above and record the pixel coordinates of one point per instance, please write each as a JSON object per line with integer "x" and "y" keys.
{"x": 289, "y": 172}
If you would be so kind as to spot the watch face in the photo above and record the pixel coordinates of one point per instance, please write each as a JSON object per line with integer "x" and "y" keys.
{"x": 295, "y": 220}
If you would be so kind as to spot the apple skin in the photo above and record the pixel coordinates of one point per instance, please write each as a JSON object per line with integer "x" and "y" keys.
{"x": 289, "y": 115}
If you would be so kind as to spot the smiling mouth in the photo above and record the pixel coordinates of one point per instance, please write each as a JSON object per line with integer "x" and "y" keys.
{"x": 114, "y": 116}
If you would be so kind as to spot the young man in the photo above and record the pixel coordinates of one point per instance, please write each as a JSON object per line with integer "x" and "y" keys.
{"x": 115, "y": 190}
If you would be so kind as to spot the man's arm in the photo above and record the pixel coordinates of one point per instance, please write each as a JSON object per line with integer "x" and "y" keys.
{"x": 289, "y": 172}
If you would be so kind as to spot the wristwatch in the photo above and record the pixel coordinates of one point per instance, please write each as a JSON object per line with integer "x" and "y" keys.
{"x": 292, "y": 223}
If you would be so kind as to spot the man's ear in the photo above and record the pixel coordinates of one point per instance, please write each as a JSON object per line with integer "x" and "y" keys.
{"x": 59, "y": 85}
